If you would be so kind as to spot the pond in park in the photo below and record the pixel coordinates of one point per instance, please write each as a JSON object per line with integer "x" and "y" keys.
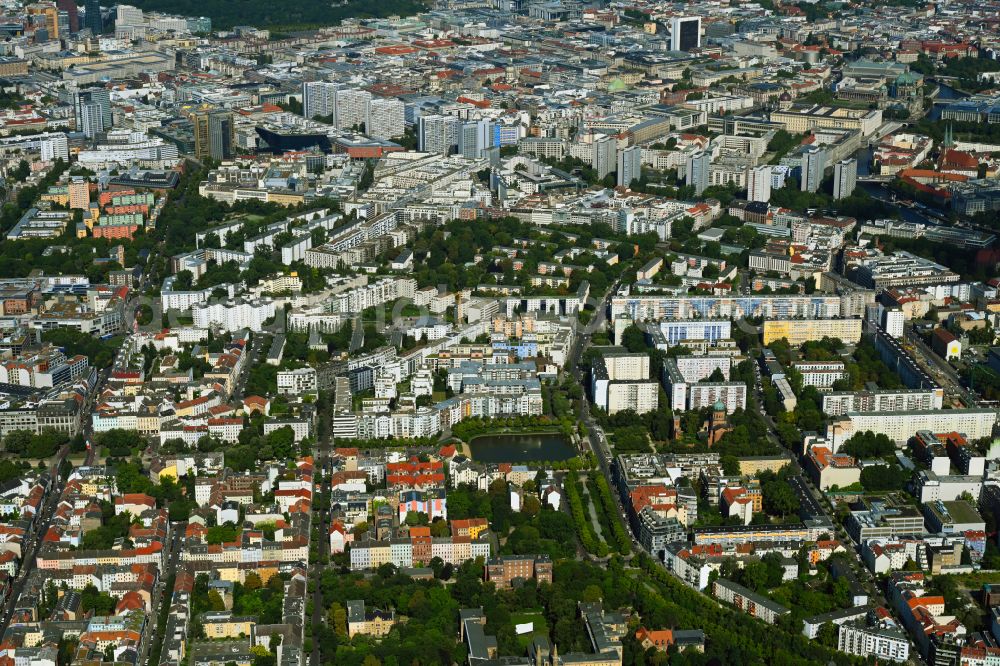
{"x": 521, "y": 448}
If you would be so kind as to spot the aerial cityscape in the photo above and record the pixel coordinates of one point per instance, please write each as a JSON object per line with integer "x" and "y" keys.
{"x": 499, "y": 333}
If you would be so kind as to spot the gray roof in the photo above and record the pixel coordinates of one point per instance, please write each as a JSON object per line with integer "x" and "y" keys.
{"x": 842, "y": 615}
{"x": 759, "y": 600}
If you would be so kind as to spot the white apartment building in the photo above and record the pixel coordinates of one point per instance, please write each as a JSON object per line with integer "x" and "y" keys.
{"x": 813, "y": 166}
{"x": 697, "y": 171}
{"x": 838, "y": 403}
{"x": 297, "y": 382}
{"x": 344, "y": 426}
{"x": 128, "y": 15}
{"x": 422, "y": 382}
{"x": 821, "y": 374}
{"x": 438, "y": 134}
{"x": 233, "y": 316}
{"x": 279, "y": 284}
{"x": 932, "y": 487}
{"x": 319, "y": 98}
{"x": 759, "y": 183}
{"x": 604, "y": 155}
{"x": 642, "y": 307}
{"x": 371, "y": 295}
{"x": 705, "y": 394}
{"x": 386, "y": 118}
{"x": 300, "y": 427}
{"x": 385, "y": 386}
{"x": 641, "y": 396}
{"x": 901, "y": 426}
{"x": 676, "y": 332}
{"x": 50, "y": 145}
{"x": 225, "y": 429}
{"x": 698, "y": 368}
{"x": 629, "y": 165}
{"x": 620, "y": 381}
{"x": 728, "y": 174}
{"x": 881, "y": 643}
{"x": 351, "y": 108}
{"x": 845, "y": 178}
{"x": 126, "y": 148}
{"x": 762, "y": 262}
{"x": 316, "y": 319}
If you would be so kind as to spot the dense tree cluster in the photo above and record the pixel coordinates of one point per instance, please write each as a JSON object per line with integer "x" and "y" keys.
{"x": 985, "y": 379}
{"x": 547, "y": 532}
{"x": 11, "y": 469}
{"x": 113, "y": 527}
{"x": 779, "y": 498}
{"x": 470, "y": 428}
{"x": 867, "y": 367}
{"x": 868, "y": 445}
{"x": 169, "y": 494}
{"x": 782, "y": 142}
{"x": 585, "y": 532}
{"x": 92, "y": 599}
{"x": 27, "y": 444}
{"x": 444, "y": 255}
{"x": 430, "y": 635}
{"x": 966, "y": 69}
{"x": 120, "y": 443}
{"x": 881, "y": 478}
{"x": 968, "y": 264}
{"x": 859, "y": 205}
{"x": 607, "y": 511}
{"x": 250, "y": 598}
{"x": 223, "y": 533}
{"x": 736, "y": 638}
{"x": 100, "y": 352}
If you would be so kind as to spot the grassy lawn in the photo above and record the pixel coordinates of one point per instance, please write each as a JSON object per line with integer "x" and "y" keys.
{"x": 534, "y": 616}
{"x": 974, "y": 581}
{"x": 851, "y": 104}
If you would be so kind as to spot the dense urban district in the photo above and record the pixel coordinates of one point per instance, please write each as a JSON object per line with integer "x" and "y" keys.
{"x": 499, "y": 333}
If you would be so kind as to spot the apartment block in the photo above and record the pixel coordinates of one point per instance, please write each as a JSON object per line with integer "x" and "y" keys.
{"x": 620, "y": 381}
{"x": 839, "y": 403}
{"x": 748, "y": 602}
{"x": 505, "y": 571}
{"x": 798, "y": 331}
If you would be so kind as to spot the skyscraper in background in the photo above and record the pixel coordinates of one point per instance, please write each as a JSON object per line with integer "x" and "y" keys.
{"x": 214, "y": 134}
{"x": 90, "y": 121}
{"x": 813, "y": 166}
{"x": 845, "y": 178}
{"x": 629, "y": 165}
{"x": 69, "y": 6}
{"x": 46, "y": 14}
{"x": 475, "y": 138}
{"x": 319, "y": 98}
{"x": 685, "y": 33}
{"x": 93, "y": 19}
{"x": 93, "y": 111}
{"x": 604, "y": 155}
{"x": 439, "y": 134}
{"x": 221, "y": 135}
{"x": 759, "y": 183}
{"x": 698, "y": 166}
{"x": 350, "y": 107}
{"x": 386, "y": 118}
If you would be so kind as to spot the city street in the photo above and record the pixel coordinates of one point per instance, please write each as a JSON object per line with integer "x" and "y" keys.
{"x": 939, "y": 369}
{"x": 322, "y": 516}
{"x": 35, "y": 537}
